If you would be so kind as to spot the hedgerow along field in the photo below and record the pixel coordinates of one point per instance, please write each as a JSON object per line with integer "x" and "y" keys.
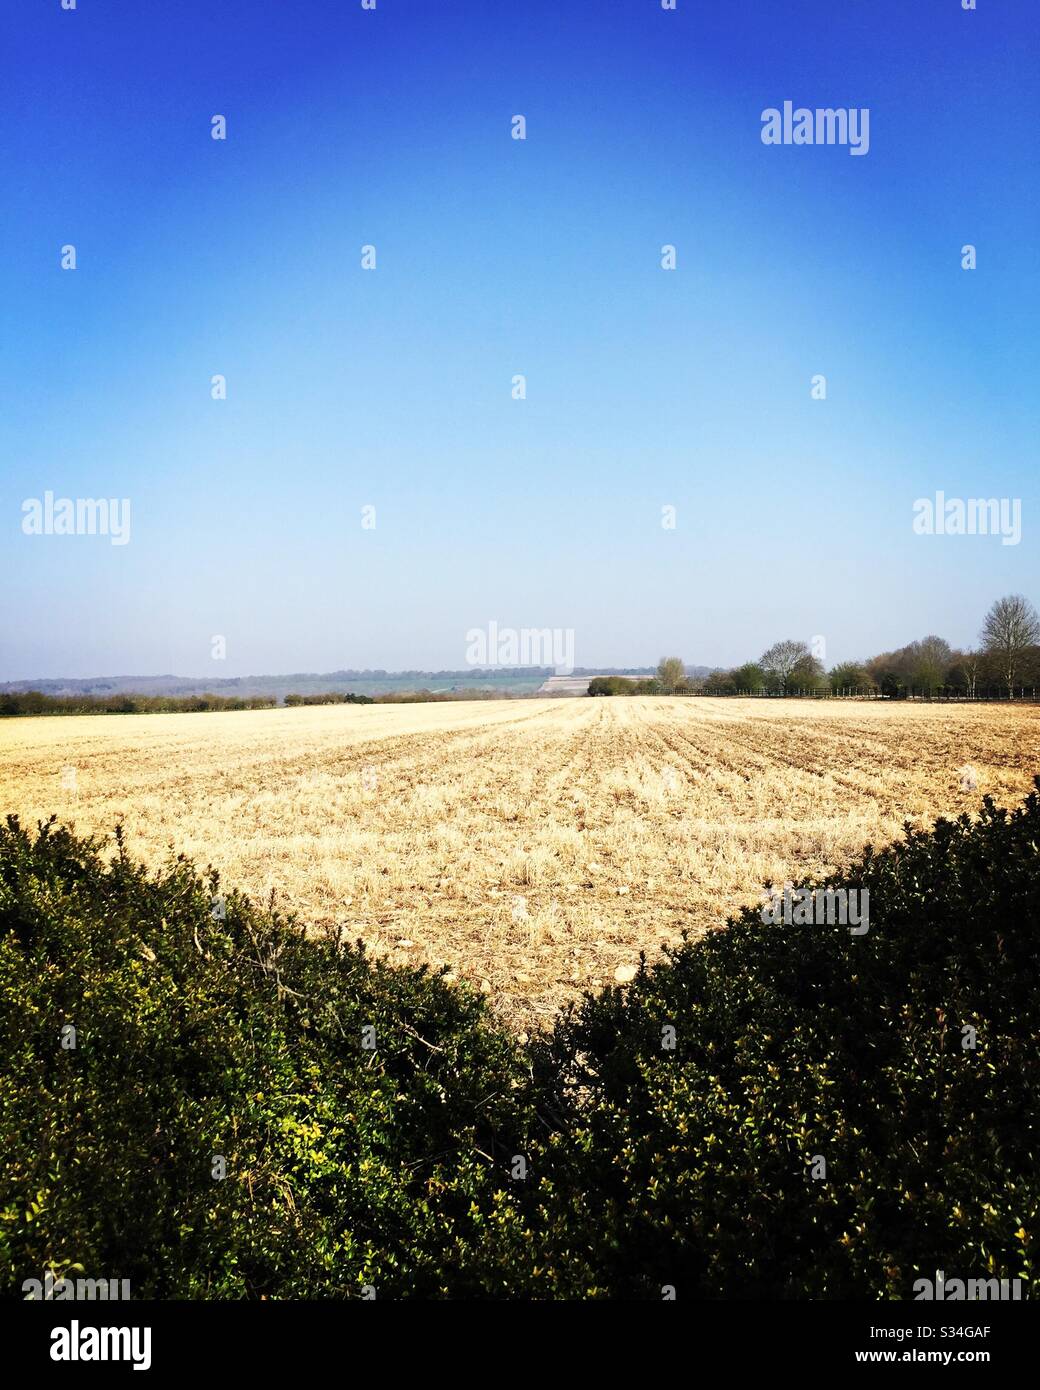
{"x": 227, "y": 1106}
{"x": 534, "y": 848}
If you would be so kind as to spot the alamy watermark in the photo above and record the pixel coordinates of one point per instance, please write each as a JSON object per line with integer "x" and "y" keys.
{"x": 78, "y": 1342}
{"x": 830, "y": 907}
{"x": 77, "y": 516}
{"x": 57, "y": 1287}
{"x": 972, "y": 516}
{"x": 526, "y": 646}
{"x": 827, "y": 125}
{"x": 944, "y": 1290}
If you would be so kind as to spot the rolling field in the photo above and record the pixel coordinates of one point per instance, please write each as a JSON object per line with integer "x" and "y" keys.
{"x": 533, "y": 847}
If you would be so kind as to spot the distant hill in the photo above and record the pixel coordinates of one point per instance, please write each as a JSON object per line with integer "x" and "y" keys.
{"x": 518, "y": 680}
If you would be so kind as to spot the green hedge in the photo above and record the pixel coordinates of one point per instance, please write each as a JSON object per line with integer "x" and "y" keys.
{"x": 199, "y": 1036}
{"x": 332, "y": 697}
{"x": 598, "y": 1161}
{"x": 622, "y": 685}
{"x": 692, "y": 1166}
{"x": 32, "y": 702}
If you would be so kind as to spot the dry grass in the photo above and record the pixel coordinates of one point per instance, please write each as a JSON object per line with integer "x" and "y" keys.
{"x": 534, "y": 847}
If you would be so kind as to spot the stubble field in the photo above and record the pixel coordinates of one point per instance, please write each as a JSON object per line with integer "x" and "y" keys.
{"x": 533, "y": 847}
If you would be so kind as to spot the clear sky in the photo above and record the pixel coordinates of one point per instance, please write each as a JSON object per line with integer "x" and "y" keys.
{"x": 392, "y": 388}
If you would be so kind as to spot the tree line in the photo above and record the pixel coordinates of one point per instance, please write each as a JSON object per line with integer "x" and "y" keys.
{"x": 1006, "y": 659}
{"x": 35, "y": 702}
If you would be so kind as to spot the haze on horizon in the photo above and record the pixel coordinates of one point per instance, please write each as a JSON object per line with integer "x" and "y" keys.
{"x": 392, "y": 389}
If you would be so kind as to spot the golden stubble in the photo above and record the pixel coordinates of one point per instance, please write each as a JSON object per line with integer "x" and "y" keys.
{"x": 534, "y": 847}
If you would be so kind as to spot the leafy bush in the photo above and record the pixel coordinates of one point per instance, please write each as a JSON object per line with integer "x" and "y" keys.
{"x": 200, "y": 1036}
{"x": 333, "y": 697}
{"x": 693, "y": 1166}
{"x": 622, "y": 685}
{"x": 850, "y": 675}
{"x": 600, "y": 1161}
{"x": 749, "y": 677}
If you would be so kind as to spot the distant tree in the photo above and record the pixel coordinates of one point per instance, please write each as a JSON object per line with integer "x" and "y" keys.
{"x": 955, "y": 677}
{"x": 808, "y": 674}
{"x": 891, "y": 686}
{"x": 621, "y": 685}
{"x": 1010, "y": 629}
{"x": 921, "y": 665}
{"x": 1029, "y": 671}
{"x": 750, "y": 676}
{"x": 671, "y": 673}
{"x": 849, "y": 675}
{"x": 971, "y": 664}
{"x": 876, "y": 667}
{"x": 720, "y": 683}
{"x": 930, "y": 660}
{"x": 781, "y": 659}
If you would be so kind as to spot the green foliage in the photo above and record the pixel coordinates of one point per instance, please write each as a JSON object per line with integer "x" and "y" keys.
{"x": 850, "y": 675}
{"x": 208, "y": 1026}
{"x": 808, "y": 674}
{"x": 197, "y": 1036}
{"x": 623, "y": 685}
{"x": 34, "y": 702}
{"x": 749, "y": 677}
{"x": 671, "y": 673}
{"x": 721, "y": 683}
{"x": 332, "y": 697}
{"x": 692, "y": 1166}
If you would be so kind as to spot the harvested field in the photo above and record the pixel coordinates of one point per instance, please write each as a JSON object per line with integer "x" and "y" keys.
{"x": 532, "y": 847}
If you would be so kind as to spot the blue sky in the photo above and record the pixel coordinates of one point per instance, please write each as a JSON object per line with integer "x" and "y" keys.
{"x": 392, "y": 387}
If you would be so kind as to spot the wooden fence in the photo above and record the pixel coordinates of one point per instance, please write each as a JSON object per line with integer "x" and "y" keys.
{"x": 941, "y": 695}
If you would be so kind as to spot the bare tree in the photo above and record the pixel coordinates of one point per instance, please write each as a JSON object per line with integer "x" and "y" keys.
{"x": 670, "y": 672}
{"x": 1011, "y": 626}
{"x": 782, "y": 658}
{"x": 971, "y": 664}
